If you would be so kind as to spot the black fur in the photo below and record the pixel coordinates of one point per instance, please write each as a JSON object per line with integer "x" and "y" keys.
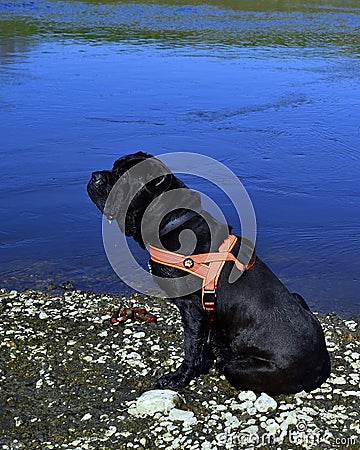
{"x": 263, "y": 337}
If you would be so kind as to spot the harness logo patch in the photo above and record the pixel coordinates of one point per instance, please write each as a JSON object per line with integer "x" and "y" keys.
{"x": 188, "y": 263}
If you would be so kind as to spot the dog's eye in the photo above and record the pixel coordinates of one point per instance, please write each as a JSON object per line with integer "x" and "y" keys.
{"x": 125, "y": 176}
{"x": 122, "y": 176}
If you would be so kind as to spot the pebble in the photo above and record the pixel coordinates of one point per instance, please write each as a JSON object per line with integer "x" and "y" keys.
{"x": 271, "y": 426}
{"x": 338, "y": 380}
{"x": 231, "y": 421}
{"x": 187, "y": 417}
{"x": 244, "y": 405}
{"x": 351, "y": 325}
{"x": 87, "y": 416}
{"x": 111, "y": 431}
{"x": 265, "y": 403}
{"x": 156, "y": 400}
{"x": 247, "y": 395}
{"x": 139, "y": 335}
{"x": 252, "y": 430}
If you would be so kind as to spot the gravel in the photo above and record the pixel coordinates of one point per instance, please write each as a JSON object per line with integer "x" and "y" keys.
{"x": 70, "y": 379}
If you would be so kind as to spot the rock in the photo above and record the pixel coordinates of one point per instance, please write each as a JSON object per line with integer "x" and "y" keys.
{"x": 244, "y": 405}
{"x": 133, "y": 359}
{"x": 188, "y": 417}
{"x": 247, "y": 395}
{"x": 154, "y": 401}
{"x": 139, "y": 335}
{"x": 43, "y": 315}
{"x": 351, "y": 325}
{"x": 265, "y": 403}
{"x": 230, "y": 420}
{"x": 110, "y": 431}
{"x": 67, "y": 285}
{"x": 51, "y": 287}
{"x": 301, "y": 394}
{"x": 86, "y": 417}
{"x": 271, "y": 426}
{"x": 338, "y": 380}
{"x": 286, "y": 419}
{"x": 252, "y": 430}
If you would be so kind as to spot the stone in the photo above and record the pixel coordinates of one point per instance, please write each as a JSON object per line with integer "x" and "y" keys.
{"x": 286, "y": 419}
{"x": 265, "y": 403}
{"x": 271, "y": 426}
{"x": 156, "y": 400}
{"x": 230, "y": 420}
{"x": 86, "y": 417}
{"x": 247, "y": 395}
{"x": 139, "y": 335}
{"x": 187, "y": 417}
{"x": 252, "y": 430}
{"x": 110, "y": 431}
{"x": 245, "y": 405}
{"x": 338, "y": 380}
{"x": 351, "y": 325}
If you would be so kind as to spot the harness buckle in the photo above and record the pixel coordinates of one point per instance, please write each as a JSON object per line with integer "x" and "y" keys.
{"x": 208, "y": 300}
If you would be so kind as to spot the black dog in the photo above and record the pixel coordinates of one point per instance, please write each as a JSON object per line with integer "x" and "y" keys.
{"x": 263, "y": 338}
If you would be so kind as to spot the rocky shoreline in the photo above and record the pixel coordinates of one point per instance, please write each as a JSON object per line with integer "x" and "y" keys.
{"x": 71, "y": 379}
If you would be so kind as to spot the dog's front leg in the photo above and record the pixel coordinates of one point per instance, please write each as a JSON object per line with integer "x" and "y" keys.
{"x": 197, "y": 356}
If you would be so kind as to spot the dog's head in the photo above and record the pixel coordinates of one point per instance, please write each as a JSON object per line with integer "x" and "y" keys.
{"x": 125, "y": 192}
{"x": 131, "y": 179}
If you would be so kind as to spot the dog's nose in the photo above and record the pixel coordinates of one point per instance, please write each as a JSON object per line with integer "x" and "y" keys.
{"x": 96, "y": 177}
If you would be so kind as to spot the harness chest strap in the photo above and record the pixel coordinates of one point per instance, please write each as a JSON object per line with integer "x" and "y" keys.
{"x": 207, "y": 266}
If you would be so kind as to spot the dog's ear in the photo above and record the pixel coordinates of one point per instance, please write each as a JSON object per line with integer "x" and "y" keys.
{"x": 159, "y": 185}
{"x": 125, "y": 162}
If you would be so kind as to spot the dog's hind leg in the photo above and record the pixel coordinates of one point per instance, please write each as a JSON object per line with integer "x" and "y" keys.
{"x": 258, "y": 375}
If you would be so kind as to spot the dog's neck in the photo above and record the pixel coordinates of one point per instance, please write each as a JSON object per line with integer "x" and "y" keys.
{"x": 158, "y": 227}
{"x": 209, "y": 232}
{"x": 177, "y": 222}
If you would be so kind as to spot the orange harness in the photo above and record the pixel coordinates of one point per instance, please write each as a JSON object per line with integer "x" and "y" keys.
{"x": 207, "y": 266}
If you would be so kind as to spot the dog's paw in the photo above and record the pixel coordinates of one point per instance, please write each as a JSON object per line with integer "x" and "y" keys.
{"x": 170, "y": 381}
{"x": 180, "y": 378}
{"x": 206, "y": 365}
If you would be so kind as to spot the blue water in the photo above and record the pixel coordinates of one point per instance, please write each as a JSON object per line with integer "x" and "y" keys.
{"x": 272, "y": 94}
